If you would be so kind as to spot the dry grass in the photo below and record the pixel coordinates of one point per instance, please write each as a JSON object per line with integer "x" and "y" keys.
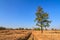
{"x": 23, "y": 34}
{"x": 47, "y": 35}
{"x": 13, "y": 34}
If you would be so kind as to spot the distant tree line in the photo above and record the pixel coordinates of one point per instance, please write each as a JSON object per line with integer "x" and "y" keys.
{"x": 4, "y": 28}
{"x": 23, "y": 28}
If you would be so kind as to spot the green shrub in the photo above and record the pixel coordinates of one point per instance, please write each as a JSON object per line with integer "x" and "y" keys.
{"x": 37, "y": 29}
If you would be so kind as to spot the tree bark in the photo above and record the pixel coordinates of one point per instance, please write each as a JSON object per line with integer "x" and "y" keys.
{"x": 41, "y": 28}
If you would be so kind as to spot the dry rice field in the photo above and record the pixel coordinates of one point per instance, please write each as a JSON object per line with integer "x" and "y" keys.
{"x": 46, "y": 35}
{"x": 14, "y": 34}
{"x": 29, "y": 35}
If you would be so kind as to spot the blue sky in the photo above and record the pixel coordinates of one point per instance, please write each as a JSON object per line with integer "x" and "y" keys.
{"x": 21, "y": 13}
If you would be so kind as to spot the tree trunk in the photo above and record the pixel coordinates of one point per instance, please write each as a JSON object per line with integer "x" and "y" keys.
{"x": 45, "y": 28}
{"x": 41, "y": 28}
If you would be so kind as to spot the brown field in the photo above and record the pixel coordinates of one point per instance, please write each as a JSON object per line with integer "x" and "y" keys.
{"x": 26, "y": 35}
{"x": 47, "y": 35}
{"x": 14, "y": 34}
